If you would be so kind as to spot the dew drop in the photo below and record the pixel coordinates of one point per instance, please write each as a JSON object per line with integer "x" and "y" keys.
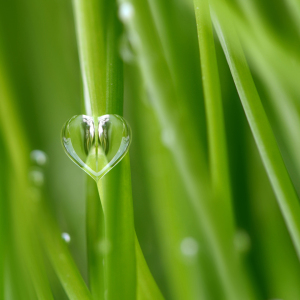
{"x": 126, "y": 11}
{"x": 189, "y": 247}
{"x": 36, "y": 177}
{"x": 242, "y": 241}
{"x": 168, "y": 137}
{"x": 104, "y": 246}
{"x": 125, "y": 49}
{"x": 39, "y": 157}
{"x": 66, "y": 237}
{"x": 96, "y": 145}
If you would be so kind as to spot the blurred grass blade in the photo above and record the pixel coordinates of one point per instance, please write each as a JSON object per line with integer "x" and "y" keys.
{"x": 22, "y": 211}
{"x": 259, "y": 124}
{"x": 61, "y": 258}
{"x": 146, "y": 286}
{"x": 278, "y": 261}
{"x": 219, "y": 168}
{"x": 18, "y": 151}
{"x": 3, "y": 218}
{"x": 187, "y": 150}
{"x": 173, "y": 223}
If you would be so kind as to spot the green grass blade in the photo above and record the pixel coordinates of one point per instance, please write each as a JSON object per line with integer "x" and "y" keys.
{"x": 17, "y": 149}
{"x": 146, "y": 286}
{"x": 214, "y": 111}
{"x": 61, "y": 258}
{"x": 114, "y": 64}
{"x": 187, "y": 151}
{"x": 95, "y": 235}
{"x": 91, "y": 39}
{"x": 172, "y": 221}
{"x": 261, "y": 129}
{"x": 120, "y": 262}
{"x": 278, "y": 261}
{"x": 3, "y": 218}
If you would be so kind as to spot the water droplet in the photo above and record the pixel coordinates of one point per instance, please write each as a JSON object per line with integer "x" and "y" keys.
{"x": 97, "y": 145}
{"x": 36, "y": 177}
{"x": 242, "y": 241}
{"x": 168, "y": 137}
{"x": 66, "y": 237}
{"x": 125, "y": 50}
{"x": 189, "y": 247}
{"x": 104, "y": 246}
{"x": 39, "y": 157}
{"x": 126, "y": 11}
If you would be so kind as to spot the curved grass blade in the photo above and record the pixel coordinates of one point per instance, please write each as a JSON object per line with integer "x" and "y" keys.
{"x": 219, "y": 168}
{"x": 259, "y": 124}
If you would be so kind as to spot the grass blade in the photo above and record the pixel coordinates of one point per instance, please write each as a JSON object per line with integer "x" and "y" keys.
{"x": 261, "y": 129}
{"x": 120, "y": 262}
{"x": 18, "y": 151}
{"x": 95, "y": 235}
{"x": 214, "y": 111}
{"x": 91, "y": 39}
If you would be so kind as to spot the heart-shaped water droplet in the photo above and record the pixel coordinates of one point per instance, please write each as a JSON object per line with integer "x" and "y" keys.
{"x": 96, "y": 144}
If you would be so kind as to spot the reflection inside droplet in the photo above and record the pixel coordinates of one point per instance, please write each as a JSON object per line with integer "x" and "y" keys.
{"x": 38, "y": 157}
{"x": 96, "y": 145}
{"x": 66, "y": 237}
{"x": 189, "y": 247}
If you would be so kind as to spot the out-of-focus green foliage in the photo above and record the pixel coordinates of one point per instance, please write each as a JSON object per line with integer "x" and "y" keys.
{"x": 206, "y": 204}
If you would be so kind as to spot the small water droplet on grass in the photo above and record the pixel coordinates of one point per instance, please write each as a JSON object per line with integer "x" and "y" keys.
{"x": 126, "y": 11}
{"x": 39, "y": 157}
{"x": 66, "y": 237}
{"x": 36, "y": 177}
{"x": 242, "y": 241}
{"x": 189, "y": 247}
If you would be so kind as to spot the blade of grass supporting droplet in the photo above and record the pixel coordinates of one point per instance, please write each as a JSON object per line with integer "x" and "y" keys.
{"x": 119, "y": 245}
{"x": 90, "y": 21}
{"x": 114, "y": 64}
{"x": 91, "y": 39}
{"x": 95, "y": 235}
{"x": 259, "y": 124}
